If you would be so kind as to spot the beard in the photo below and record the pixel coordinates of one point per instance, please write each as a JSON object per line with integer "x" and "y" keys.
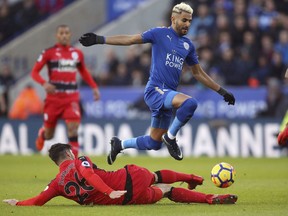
{"x": 181, "y": 30}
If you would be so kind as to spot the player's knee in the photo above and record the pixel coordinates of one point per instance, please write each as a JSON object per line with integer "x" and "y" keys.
{"x": 186, "y": 110}
{"x": 158, "y": 193}
{"x": 190, "y": 105}
{"x": 153, "y": 144}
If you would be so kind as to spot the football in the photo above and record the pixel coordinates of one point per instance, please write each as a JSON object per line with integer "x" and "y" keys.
{"x": 223, "y": 175}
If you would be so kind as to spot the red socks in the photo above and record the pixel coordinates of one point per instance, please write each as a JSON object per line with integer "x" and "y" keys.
{"x": 187, "y": 196}
{"x": 75, "y": 148}
{"x": 169, "y": 176}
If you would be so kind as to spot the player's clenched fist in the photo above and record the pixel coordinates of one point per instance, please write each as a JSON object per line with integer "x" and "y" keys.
{"x": 90, "y": 39}
{"x": 116, "y": 194}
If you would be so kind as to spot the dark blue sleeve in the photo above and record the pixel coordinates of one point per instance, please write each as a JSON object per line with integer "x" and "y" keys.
{"x": 192, "y": 57}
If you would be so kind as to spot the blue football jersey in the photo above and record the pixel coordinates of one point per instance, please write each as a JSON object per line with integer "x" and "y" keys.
{"x": 169, "y": 51}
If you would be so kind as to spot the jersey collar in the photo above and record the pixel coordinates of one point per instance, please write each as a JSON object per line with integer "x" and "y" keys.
{"x": 61, "y": 46}
{"x": 64, "y": 164}
{"x": 174, "y": 32}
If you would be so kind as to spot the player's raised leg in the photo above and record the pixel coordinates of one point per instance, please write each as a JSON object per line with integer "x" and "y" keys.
{"x": 39, "y": 143}
{"x": 44, "y": 133}
{"x": 72, "y": 127}
{"x": 187, "y": 196}
{"x": 186, "y": 107}
{"x": 145, "y": 142}
{"x": 170, "y": 176}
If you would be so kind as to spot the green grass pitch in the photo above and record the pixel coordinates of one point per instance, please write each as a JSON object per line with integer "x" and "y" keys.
{"x": 261, "y": 185}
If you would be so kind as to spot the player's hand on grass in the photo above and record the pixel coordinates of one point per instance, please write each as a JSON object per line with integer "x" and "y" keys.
{"x": 116, "y": 194}
{"x": 49, "y": 88}
{"x": 89, "y": 39}
{"x": 11, "y": 202}
{"x": 96, "y": 94}
{"x": 228, "y": 96}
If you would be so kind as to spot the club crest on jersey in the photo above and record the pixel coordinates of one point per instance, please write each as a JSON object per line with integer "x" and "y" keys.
{"x": 85, "y": 164}
{"x": 75, "y": 55}
{"x": 186, "y": 45}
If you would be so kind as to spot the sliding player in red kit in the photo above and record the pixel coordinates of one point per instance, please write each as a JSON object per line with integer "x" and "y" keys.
{"x": 62, "y": 101}
{"x": 80, "y": 180}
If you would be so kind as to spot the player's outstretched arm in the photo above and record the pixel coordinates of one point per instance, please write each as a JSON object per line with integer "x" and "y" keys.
{"x": 90, "y": 39}
{"x": 11, "y": 202}
{"x": 205, "y": 79}
{"x": 39, "y": 200}
{"x": 96, "y": 94}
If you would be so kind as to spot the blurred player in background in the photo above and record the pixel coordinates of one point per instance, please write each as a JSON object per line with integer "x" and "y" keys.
{"x": 80, "y": 180}
{"x": 62, "y": 100}
{"x": 169, "y": 51}
{"x": 283, "y": 135}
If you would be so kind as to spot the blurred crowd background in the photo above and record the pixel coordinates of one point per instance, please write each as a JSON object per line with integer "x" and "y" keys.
{"x": 239, "y": 43}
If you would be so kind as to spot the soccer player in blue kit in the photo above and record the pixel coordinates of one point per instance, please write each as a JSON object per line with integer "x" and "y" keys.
{"x": 169, "y": 51}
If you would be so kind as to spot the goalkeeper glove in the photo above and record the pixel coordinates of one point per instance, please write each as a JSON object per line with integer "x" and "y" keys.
{"x": 228, "y": 96}
{"x": 90, "y": 39}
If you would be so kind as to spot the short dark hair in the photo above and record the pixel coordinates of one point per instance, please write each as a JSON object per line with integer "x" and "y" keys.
{"x": 61, "y": 26}
{"x": 57, "y": 151}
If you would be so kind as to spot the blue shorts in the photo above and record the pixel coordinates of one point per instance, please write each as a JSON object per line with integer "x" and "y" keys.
{"x": 159, "y": 101}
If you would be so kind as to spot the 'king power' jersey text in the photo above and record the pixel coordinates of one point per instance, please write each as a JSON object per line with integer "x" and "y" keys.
{"x": 169, "y": 51}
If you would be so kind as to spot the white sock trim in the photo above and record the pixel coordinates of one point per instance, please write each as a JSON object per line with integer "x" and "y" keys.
{"x": 170, "y": 136}
{"x": 122, "y": 144}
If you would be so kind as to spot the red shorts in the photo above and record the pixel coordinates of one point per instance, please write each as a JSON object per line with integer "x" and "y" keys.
{"x": 62, "y": 109}
{"x": 143, "y": 192}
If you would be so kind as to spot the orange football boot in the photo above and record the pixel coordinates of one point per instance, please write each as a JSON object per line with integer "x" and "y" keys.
{"x": 196, "y": 180}
{"x": 40, "y": 139}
